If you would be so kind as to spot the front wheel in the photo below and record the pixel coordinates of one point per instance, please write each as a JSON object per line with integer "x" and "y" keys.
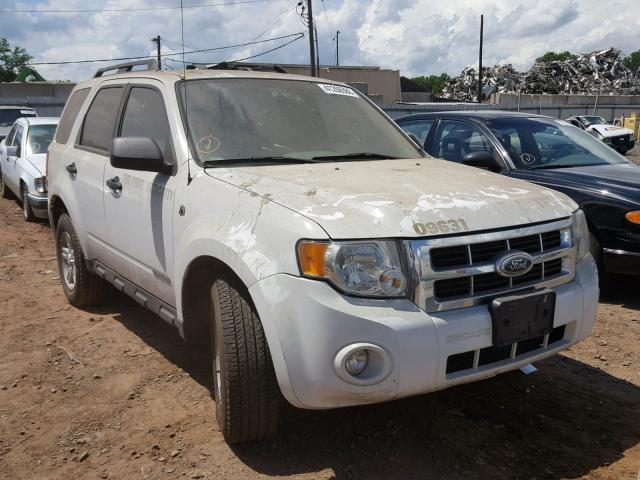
{"x": 27, "y": 211}
{"x": 245, "y": 387}
{"x": 81, "y": 287}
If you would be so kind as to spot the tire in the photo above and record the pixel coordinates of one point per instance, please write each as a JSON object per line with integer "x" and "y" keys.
{"x": 4, "y": 190}
{"x": 27, "y": 211}
{"x": 247, "y": 395}
{"x": 81, "y": 287}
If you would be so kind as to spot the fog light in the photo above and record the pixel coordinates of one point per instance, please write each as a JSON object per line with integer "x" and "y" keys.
{"x": 356, "y": 362}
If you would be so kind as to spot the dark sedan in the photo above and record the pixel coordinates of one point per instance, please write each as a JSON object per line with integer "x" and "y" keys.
{"x": 551, "y": 153}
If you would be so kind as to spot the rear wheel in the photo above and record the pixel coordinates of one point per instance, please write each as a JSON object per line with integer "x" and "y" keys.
{"x": 81, "y": 287}
{"x": 27, "y": 211}
{"x": 245, "y": 387}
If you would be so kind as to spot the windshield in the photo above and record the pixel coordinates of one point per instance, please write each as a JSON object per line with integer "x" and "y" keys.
{"x": 39, "y": 138}
{"x": 594, "y": 121}
{"x": 544, "y": 143}
{"x": 256, "y": 120}
{"x": 10, "y": 115}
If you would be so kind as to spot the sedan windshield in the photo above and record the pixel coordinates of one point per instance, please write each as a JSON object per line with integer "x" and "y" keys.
{"x": 10, "y": 115}
{"x": 39, "y": 138}
{"x": 285, "y": 121}
{"x": 535, "y": 143}
{"x": 594, "y": 121}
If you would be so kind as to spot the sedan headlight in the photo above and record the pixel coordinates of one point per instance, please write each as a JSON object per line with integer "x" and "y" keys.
{"x": 366, "y": 268}
{"x": 580, "y": 233}
{"x": 41, "y": 184}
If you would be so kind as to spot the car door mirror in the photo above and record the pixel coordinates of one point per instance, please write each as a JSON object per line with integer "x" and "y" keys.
{"x": 481, "y": 159}
{"x": 415, "y": 139}
{"x": 138, "y": 153}
{"x": 12, "y": 151}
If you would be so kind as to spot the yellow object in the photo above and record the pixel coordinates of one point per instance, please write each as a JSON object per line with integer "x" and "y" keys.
{"x": 633, "y": 217}
{"x": 312, "y": 258}
{"x": 633, "y": 123}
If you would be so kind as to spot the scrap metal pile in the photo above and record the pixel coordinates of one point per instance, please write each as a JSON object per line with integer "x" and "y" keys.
{"x": 597, "y": 73}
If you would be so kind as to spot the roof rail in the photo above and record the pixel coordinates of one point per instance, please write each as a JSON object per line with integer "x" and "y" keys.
{"x": 236, "y": 66}
{"x": 125, "y": 67}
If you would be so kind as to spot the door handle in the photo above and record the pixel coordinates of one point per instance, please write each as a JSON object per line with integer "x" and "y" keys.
{"x": 114, "y": 184}
{"x": 72, "y": 169}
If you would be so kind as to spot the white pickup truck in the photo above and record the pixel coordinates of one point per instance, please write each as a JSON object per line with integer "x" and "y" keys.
{"x": 290, "y": 223}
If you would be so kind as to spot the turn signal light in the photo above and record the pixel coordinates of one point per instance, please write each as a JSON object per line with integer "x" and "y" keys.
{"x": 633, "y": 217}
{"x": 312, "y": 256}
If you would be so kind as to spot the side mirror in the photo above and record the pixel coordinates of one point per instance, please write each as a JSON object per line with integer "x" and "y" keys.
{"x": 415, "y": 139}
{"x": 138, "y": 153}
{"x": 12, "y": 151}
{"x": 481, "y": 159}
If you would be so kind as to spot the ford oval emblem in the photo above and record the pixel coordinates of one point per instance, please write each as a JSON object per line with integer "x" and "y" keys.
{"x": 514, "y": 264}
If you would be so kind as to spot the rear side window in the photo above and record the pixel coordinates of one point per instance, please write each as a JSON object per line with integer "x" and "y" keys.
{"x": 99, "y": 123}
{"x": 70, "y": 113}
{"x": 145, "y": 116}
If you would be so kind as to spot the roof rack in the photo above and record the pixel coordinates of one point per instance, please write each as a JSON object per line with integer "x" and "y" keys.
{"x": 125, "y": 67}
{"x": 236, "y": 66}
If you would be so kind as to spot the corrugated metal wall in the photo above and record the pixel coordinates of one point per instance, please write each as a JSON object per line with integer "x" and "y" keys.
{"x": 48, "y": 99}
{"x": 380, "y": 82}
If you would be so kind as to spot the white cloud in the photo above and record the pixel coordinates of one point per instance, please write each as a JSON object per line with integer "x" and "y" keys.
{"x": 417, "y": 36}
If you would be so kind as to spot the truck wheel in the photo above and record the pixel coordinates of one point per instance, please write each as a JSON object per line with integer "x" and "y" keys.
{"x": 4, "y": 190}
{"x": 27, "y": 212}
{"x": 245, "y": 387}
{"x": 81, "y": 287}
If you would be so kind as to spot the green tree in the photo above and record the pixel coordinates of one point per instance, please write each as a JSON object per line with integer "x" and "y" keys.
{"x": 433, "y": 83}
{"x": 632, "y": 62}
{"x": 11, "y": 60}
{"x": 556, "y": 57}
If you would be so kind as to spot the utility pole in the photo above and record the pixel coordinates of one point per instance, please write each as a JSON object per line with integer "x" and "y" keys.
{"x": 317, "y": 53}
{"x": 156, "y": 40}
{"x": 480, "y": 60}
{"x": 337, "y": 48}
{"x": 312, "y": 43}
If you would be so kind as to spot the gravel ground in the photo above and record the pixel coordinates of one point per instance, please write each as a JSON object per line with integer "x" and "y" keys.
{"x": 114, "y": 393}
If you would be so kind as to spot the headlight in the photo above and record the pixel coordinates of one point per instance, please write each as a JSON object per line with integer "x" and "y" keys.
{"x": 367, "y": 268}
{"x": 580, "y": 233}
{"x": 41, "y": 184}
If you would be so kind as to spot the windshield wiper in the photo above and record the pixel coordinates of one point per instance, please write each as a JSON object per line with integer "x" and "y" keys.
{"x": 273, "y": 159}
{"x": 348, "y": 156}
{"x": 543, "y": 167}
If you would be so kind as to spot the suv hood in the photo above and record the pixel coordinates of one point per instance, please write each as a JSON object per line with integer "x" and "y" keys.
{"x": 377, "y": 199}
{"x": 610, "y": 130}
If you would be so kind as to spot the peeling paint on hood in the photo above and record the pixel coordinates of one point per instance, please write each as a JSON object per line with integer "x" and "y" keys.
{"x": 375, "y": 199}
{"x": 610, "y": 130}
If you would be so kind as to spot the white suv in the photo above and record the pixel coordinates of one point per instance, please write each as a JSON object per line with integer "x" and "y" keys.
{"x": 295, "y": 227}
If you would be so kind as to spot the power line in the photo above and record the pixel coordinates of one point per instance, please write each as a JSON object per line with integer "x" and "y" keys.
{"x": 300, "y": 35}
{"x": 138, "y": 9}
{"x": 281, "y": 37}
{"x": 278, "y": 20}
{"x": 327, "y": 18}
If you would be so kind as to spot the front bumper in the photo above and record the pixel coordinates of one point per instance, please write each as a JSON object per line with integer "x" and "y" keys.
{"x": 307, "y": 323}
{"x": 621, "y": 262}
{"x": 39, "y": 205}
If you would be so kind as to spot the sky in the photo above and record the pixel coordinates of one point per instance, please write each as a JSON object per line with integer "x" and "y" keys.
{"x": 417, "y": 37}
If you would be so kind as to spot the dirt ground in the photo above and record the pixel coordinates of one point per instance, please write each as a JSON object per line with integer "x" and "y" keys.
{"x": 114, "y": 393}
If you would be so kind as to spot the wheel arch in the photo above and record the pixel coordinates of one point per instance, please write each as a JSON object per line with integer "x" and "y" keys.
{"x": 195, "y": 310}
{"x": 56, "y": 208}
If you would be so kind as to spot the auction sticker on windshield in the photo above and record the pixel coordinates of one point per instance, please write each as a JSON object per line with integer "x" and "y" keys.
{"x": 337, "y": 90}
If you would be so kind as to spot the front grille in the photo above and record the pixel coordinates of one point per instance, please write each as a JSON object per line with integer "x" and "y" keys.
{"x": 620, "y": 139}
{"x": 461, "y": 271}
{"x": 463, "y": 255}
{"x": 489, "y": 355}
{"x": 482, "y": 253}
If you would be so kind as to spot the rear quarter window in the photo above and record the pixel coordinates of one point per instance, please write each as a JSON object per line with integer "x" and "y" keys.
{"x": 70, "y": 114}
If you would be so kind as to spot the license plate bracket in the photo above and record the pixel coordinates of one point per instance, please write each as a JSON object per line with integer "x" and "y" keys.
{"x": 520, "y": 317}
